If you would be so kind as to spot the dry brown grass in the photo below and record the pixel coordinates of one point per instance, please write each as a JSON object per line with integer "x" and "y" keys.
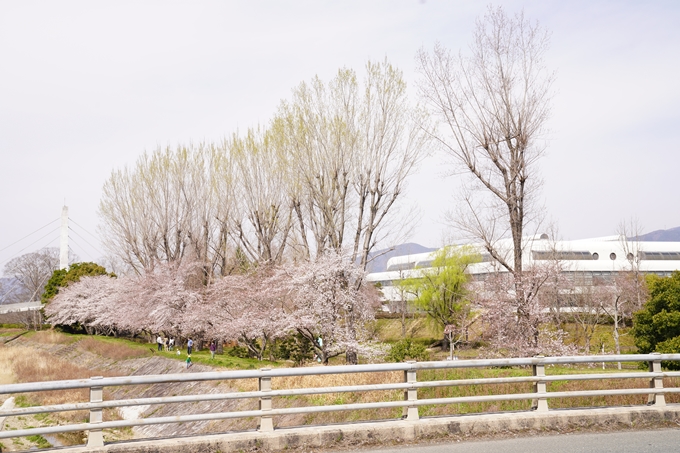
{"x": 336, "y": 380}
{"x": 30, "y": 365}
{"x": 23, "y": 364}
{"x": 111, "y": 350}
{"x": 331, "y": 399}
{"x": 447, "y": 392}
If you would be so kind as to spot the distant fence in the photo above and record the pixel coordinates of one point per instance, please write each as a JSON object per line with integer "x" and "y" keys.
{"x": 410, "y": 385}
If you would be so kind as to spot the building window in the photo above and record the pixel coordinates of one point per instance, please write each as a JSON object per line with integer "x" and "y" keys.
{"x": 561, "y": 256}
{"x": 659, "y": 256}
{"x": 400, "y": 267}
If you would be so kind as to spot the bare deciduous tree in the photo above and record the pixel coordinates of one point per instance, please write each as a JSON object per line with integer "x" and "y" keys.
{"x": 629, "y": 236}
{"x": 393, "y": 139}
{"x": 321, "y": 143}
{"x": 350, "y": 148}
{"x": 12, "y": 291}
{"x": 32, "y": 271}
{"x": 173, "y": 205}
{"x": 263, "y": 217}
{"x": 493, "y": 106}
{"x": 589, "y": 303}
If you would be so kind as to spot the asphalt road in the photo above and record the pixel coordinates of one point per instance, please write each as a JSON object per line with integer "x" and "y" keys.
{"x": 655, "y": 441}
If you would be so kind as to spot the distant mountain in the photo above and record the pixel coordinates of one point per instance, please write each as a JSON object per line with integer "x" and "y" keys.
{"x": 379, "y": 263}
{"x": 670, "y": 235}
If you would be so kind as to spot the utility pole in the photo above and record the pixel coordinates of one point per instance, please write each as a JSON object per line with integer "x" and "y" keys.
{"x": 63, "y": 250}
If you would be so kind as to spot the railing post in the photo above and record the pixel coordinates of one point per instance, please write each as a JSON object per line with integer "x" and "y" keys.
{"x": 265, "y": 385}
{"x": 657, "y": 399}
{"x": 539, "y": 404}
{"x": 410, "y": 412}
{"x": 95, "y": 437}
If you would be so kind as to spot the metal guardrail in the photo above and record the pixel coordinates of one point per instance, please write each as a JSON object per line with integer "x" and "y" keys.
{"x": 20, "y": 307}
{"x": 410, "y": 386}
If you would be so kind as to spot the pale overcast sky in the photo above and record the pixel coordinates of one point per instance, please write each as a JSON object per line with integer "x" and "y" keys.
{"x": 87, "y": 86}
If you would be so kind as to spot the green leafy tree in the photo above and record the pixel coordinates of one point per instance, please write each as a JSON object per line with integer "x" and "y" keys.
{"x": 62, "y": 277}
{"x": 441, "y": 291}
{"x": 656, "y": 327}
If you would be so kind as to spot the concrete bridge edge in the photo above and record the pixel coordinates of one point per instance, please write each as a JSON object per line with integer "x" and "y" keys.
{"x": 394, "y": 432}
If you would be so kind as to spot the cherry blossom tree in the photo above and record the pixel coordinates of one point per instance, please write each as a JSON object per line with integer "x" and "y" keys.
{"x": 525, "y": 330}
{"x": 159, "y": 300}
{"x": 331, "y": 307}
{"x": 151, "y": 303}
{"x": 324, "y": 300}
{"x": 248, "y": 308}
{"x": 90, "y": 303}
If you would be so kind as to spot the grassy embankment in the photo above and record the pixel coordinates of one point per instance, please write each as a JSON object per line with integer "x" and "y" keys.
{"x": 24, "y": 364}
{"x": 389, "y": 331}
{"x": 30, "y": 364}
{"x": 51, "y": 355}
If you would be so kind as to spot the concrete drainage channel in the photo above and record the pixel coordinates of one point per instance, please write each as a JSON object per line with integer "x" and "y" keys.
{"x": 397, "y": 431}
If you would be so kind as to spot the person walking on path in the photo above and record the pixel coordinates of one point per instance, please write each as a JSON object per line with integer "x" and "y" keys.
{"x": 159, "y": 340}
{"x": 190, "y": 346}
{"x": 213, "y": 348}
{"x": 189, "y": 362}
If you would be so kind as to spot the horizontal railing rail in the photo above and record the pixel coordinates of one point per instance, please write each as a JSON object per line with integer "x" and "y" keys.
{"x": 264, "y": 395}
{"x": 339, "y": 389}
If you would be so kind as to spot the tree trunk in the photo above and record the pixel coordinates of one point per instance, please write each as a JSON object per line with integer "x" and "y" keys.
{"x": 351, "y": 357}
{"x": 446, "y": 344}
{"x": 617, "y": 343}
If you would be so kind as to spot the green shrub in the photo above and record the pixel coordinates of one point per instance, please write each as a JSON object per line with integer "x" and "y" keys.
{"x": 407, "y": 349}
{"x": 294, "y": 347}
{"x": 671, "y": 346}
{"x": 656, "y": 327}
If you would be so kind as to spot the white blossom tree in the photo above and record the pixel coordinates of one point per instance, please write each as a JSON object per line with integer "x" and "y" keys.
{"x": 529, "y": 332}
{"x": 249, "y": 308}
{"x": 161, "y": 297}
{"x": 90, "y": 303}
{"x": 331, "y": 309}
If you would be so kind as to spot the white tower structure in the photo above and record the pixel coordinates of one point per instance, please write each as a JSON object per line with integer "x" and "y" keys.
{"x": 63, "y": 249}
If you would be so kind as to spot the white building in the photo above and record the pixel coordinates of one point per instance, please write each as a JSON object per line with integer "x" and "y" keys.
{"x": 587, "y": 259}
